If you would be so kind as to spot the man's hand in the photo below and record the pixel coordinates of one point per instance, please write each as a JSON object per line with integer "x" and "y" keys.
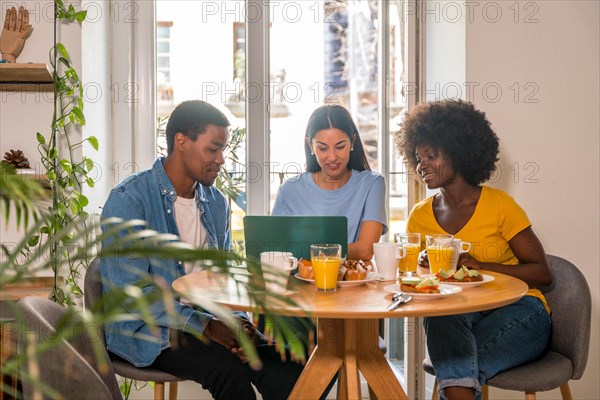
{"x": 219, "y": 333}
{"x": 16, "y": 30}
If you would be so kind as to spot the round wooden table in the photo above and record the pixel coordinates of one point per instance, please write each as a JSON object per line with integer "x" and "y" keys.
{"x": 348, "y": 327}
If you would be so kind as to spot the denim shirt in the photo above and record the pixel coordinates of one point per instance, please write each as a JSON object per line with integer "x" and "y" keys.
{"x": 149, "y": 195}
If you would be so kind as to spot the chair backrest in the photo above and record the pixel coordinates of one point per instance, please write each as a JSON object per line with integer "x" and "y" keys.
{"x": 570, "y": 301}
{"x": 92, "y": 289}
{"x": 70, "y": 365}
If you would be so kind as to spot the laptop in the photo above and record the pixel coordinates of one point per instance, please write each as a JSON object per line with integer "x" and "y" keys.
{"x": 293, "y": 233}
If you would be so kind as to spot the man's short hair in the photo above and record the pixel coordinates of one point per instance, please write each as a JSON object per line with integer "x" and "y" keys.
{"x": 191, "y": 119}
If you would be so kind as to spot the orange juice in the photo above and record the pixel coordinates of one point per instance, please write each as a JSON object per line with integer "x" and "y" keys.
{"x": 326, "y": 273}
{"x": 409, "y": 263}
{"x": 440, "y": 256}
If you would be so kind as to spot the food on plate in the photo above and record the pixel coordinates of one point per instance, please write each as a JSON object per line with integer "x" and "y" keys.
{"x": 356, "y": 270}
{"x": 350, "y": 270}
{"x": 305, "y": 269}
{"x": 419, "y": 285}
{"x": 464, "y": 274}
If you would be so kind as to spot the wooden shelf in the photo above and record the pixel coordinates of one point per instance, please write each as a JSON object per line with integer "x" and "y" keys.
{"x": 40, "y": 286}
{"x": 25, "y": 77}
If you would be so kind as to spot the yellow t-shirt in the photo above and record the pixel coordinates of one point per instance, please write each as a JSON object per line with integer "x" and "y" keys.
{"x": 496, "y": 220}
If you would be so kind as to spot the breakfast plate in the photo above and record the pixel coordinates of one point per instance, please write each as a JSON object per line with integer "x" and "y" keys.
{"x": 486, "y": 278}
{"x": 445, "y": 291}
{"x": 371, "y": 276}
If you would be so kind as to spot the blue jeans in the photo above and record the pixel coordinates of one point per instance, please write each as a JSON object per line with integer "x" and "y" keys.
{"x": 468, "y": 349}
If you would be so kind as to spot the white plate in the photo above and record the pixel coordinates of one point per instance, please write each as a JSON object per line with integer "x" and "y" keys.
{"x": 371, "y": 276}
{"x": 445, "y": 291}
{"x": 486, "y": 278}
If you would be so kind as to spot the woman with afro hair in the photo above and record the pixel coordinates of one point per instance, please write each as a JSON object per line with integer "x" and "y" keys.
{"x": 453, "y": 148}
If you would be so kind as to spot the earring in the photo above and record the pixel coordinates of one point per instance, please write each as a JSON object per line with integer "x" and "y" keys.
{"x": 312, "y": 153}
{"x": 351, "y": 148}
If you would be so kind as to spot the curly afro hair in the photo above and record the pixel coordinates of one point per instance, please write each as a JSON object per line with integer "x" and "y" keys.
{"x": 462, "y": 132}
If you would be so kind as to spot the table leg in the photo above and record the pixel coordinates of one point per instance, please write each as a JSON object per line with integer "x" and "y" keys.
{"x": 349, "y": 378}
{"x": 373, "y": 364}
{"x": 348, "y": 346}
{"x": 324, "y": 362}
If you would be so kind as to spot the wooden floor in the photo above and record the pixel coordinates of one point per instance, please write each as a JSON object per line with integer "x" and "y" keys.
{"x": 191, "y": 390}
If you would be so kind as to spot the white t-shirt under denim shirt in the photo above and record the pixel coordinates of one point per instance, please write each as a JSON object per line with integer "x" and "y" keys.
{"x": 191, "y": 230}
{"x": 362, "y": 198}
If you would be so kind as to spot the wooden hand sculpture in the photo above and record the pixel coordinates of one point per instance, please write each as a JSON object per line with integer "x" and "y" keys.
{"x": 16, "y": 30}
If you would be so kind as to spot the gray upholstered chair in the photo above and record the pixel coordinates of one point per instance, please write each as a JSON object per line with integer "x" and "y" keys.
{"x": 571, "y": 304}
{"x": 69, "y": 367}
{"x": 92, "y": 293}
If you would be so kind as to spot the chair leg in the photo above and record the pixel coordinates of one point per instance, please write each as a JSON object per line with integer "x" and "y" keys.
{"x": 529, "y": 395}
{"x": 485, "y": 392}
{"x": 434, "y": 393}
{"x": 173, "y": 391}
{"x": 159, "y": 391}
{"x": 565, "y": 391}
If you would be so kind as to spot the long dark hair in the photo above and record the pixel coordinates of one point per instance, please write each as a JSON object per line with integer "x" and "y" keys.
{"x": 329, "y": 117}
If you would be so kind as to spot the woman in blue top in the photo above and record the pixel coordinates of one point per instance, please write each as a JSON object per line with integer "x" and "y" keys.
{"x": 337, "y": 181}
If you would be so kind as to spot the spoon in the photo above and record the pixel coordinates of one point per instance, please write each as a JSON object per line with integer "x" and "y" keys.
{"x": 397, "y": 300}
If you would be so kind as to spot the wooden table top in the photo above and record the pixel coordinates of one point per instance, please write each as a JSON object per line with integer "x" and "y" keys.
{"x": 359, "y": 302}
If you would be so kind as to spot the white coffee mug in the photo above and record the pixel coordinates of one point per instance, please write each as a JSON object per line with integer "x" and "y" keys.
{"x": 276, "y": 270}
{"x": 283, "y": 260}
{"x": 387, "y": 257}
{"x": 459, "y": 247}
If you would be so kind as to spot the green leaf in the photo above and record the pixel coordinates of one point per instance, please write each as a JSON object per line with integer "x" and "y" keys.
{"x": 83, "y": 200}
{"x": 61, "y": 209}
{"x": 80, "y": 16}
{"x": 79, "y": 115}
{"x": 40, "y": 138}
{"x": 45, "y": 230}
{"x": 75, "y": 289}
{"x": 89, "y": 164}
{"x": 67, "y": 166}
{"x": 74, "y": 206}
{"x": 34, "y": 240}
{"x": 92, "y": 140}
{"x": 90, "y": 182}
{"x": 62, "y": 50}
{"x": 51, "y": 175}
{"x": 53, "y": 154}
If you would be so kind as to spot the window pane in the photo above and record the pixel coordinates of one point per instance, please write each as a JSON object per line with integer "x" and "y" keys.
{"x": 163, "y": 46}
{"x": 321, "y": 52}
{"x": 162, "y": 32}
{"x": 210, "y": 69}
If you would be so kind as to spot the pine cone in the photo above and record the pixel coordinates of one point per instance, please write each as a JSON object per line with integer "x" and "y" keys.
{"x": 16, "y": 158}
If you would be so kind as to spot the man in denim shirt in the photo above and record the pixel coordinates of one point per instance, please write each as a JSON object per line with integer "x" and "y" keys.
{"x": 176, "y": 196}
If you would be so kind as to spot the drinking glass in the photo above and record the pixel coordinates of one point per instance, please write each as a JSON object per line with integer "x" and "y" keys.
{"x": 411, "y": 242}
{"x": 440, "y": 249}
{"x": 326, "y": 260}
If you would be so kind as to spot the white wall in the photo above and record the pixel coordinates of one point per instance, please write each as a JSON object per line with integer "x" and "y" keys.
{"x": 549, "y": 132}
{"x": 533, "y": 67}
{"x": 22, "y": 114}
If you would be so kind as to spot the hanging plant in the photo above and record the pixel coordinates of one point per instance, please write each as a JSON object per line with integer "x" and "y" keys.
{"x": 67, "y": 172}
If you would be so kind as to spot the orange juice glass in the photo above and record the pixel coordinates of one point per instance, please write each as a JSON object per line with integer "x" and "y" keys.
{"x": 326, "y": 260}
{"x": 412, "y": 246}
{"x": 440, "y": 249}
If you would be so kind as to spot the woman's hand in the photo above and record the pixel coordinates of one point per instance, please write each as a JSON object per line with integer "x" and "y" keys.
{"x": 468, "y": 261}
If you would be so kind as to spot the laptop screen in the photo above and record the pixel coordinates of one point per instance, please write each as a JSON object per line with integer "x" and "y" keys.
{"x": 293, "y": 233}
